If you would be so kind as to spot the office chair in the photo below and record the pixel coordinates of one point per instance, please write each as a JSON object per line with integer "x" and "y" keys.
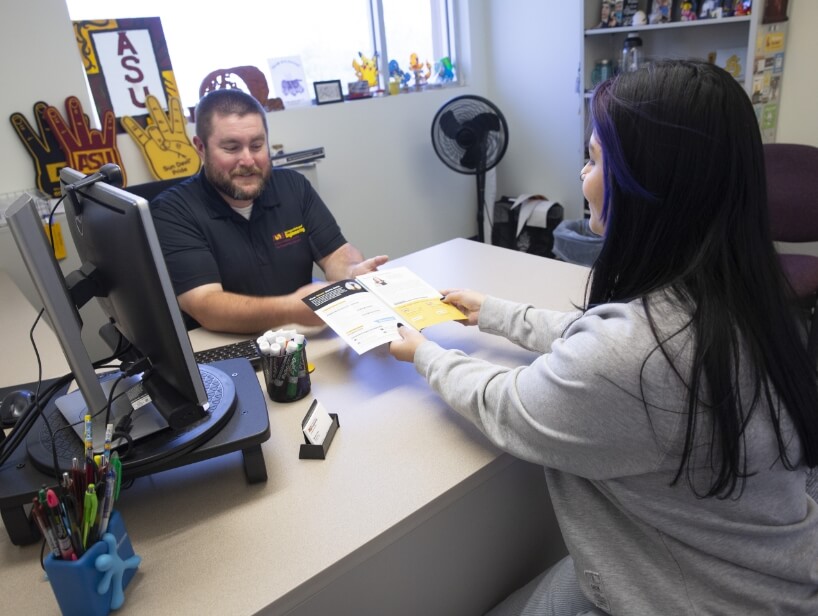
{"x": 149, "y": 190}
{"x": 792, "y": 195}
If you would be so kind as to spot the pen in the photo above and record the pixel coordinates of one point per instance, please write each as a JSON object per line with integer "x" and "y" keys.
{"x": 89, "y": 514}
{"x": 72, "y": 513}
{"x": 107, "y": 501}
{"x": 63, "y": 539}
{"x": 109, "y": 432}
{"x": 98, "y": 472}
{"x": 42, "y": 523}
{"x": 116, "y": 465}
{"x": 77, "y": 480}
{"x": 90, "y": 471}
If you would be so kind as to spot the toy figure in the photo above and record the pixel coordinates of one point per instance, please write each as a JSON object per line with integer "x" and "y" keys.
{"x": 367, "y": 70}
{"x": 417, "y": 69}
{"x": 445, "y": 70}
{"x": 709, "y": 10}
{"x": 745, "y": 7}
{"x": 605, "y": 14}
{"x": 688, "y": 11}
{"x": 396, "y": 74}
{"x": 661, "y": 12}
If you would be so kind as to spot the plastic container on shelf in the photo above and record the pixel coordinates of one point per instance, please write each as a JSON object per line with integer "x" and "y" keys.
{"x": 574, "y": 242}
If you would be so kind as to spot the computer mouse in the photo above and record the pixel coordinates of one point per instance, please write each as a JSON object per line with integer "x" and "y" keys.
{"x": 13, "y": 406}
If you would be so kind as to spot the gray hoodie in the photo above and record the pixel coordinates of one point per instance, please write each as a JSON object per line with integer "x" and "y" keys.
{"x": 604, "y": 412}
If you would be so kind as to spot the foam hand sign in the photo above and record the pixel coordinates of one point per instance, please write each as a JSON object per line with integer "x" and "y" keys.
{"x": 164, "y": 142}
{"x": 43, "y": 147}
{"x": 86, "y": 149}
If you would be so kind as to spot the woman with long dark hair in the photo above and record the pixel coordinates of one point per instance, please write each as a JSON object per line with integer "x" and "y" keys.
{"x": 676, "y": 413}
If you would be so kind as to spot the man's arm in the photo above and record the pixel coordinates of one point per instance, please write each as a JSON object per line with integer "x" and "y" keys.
{"x": 348, "y": 262}
{"x": 218, "y": 310}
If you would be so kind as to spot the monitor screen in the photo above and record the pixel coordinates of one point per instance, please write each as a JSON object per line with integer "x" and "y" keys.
{"x": 116, "y": 242}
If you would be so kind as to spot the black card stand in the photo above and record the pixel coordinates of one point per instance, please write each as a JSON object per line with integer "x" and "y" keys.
{"x": 319, "y": 452}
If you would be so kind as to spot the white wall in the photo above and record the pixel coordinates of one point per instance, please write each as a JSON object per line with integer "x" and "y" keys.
{"x": 535, "y": 46}
{"x": 798, "y": 120}
{"x": 381, "y": 177}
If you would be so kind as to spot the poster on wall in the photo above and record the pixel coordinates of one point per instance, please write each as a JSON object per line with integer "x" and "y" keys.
{"x": 126, "y": 60}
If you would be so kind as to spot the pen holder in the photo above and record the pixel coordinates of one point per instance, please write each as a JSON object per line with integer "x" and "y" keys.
{"x": 94, "y": 584}
{"x": 287, "y": 376}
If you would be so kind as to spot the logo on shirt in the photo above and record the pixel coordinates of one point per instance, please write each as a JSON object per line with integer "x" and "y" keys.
{"x": 290, "y": 236}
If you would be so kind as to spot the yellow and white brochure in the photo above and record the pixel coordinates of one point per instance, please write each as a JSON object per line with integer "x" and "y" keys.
{"x": 365, "y": 311}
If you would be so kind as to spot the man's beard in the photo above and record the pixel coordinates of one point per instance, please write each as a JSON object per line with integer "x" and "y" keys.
{"x": 223, "y": 181}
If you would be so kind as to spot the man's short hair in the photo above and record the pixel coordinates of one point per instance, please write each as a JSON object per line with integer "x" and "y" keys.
{"x": 228, "y": 101}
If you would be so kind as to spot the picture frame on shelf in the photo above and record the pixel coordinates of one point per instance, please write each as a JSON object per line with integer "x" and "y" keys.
{"x": 327, "y": 92}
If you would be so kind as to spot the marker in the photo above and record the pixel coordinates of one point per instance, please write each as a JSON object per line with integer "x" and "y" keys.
{"x": 63, "y": 539}
{"x": 296, "y": 360}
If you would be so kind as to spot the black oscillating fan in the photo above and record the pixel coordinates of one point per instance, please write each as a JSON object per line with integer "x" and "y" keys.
{"x": 470, "y": 135}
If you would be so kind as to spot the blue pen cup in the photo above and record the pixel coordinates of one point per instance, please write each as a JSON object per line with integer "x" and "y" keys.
{"x": 76, "y": 583}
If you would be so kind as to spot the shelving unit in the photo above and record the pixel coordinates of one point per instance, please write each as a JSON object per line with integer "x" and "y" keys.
{"x": 684, "y": 39}
{"x": 762, "y": 44}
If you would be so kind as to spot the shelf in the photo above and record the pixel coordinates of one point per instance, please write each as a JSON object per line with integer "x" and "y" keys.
{"x": 696, "y": 23}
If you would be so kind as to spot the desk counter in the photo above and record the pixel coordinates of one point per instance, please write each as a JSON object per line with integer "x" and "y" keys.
{"x": 412, "y": 512}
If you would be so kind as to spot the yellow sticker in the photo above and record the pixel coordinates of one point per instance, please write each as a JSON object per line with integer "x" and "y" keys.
{"x": 57, "y": 242}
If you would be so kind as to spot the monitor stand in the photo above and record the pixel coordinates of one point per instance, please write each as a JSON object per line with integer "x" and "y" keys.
{"x": 244, "y": 426}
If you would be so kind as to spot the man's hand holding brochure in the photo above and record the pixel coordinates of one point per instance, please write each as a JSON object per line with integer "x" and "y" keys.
{"x": 365, "y": 311}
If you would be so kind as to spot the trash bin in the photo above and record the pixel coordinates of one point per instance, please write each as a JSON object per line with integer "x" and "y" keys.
{"x": 574, "y": 242}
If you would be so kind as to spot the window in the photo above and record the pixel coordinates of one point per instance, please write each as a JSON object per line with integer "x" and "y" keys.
{"x": 326, "y": 35}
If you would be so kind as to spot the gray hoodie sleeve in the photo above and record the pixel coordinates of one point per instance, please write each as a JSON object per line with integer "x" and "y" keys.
{"x": 579, "y": 406}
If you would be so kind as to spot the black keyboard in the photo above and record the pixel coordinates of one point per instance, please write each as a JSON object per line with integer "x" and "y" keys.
{"x": 235, "y": 350}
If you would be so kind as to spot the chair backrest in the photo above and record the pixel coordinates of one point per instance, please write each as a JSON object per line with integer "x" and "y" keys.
{"x": 149, "y": 190}
{"x": 792, "y": 191}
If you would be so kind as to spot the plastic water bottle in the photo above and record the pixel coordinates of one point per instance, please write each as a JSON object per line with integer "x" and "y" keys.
{"x": 631, "y": 53}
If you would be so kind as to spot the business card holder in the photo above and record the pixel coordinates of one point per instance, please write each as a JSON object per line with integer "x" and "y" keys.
{"x": 319, "y": 452}
{"x": 94, "y": 584}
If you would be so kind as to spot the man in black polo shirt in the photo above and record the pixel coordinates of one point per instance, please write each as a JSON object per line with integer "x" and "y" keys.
{"x": 240, "y": 238}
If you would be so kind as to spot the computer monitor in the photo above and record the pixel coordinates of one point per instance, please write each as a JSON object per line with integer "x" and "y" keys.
{"x": 123, "y": 267}
{"x": 116, "y": 242}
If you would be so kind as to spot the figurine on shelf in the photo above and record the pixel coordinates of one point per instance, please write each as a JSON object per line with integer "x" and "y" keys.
{"x": 688, "y": 11}
{"x": 398, "y": 75}
{"x": 640, "y": 19}
{"x": 367, "y": 69}
{"x": 745, "y": 7}
{"x": 710, "y": 9}
{"x": 606, "y": 15}
{"x": 660, "y": 11}
{"x": 444, "y": 70}
{"x": 417, "y": 68}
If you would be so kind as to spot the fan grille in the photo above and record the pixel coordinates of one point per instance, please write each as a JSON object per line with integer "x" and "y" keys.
{"x": 469, "y": 134}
